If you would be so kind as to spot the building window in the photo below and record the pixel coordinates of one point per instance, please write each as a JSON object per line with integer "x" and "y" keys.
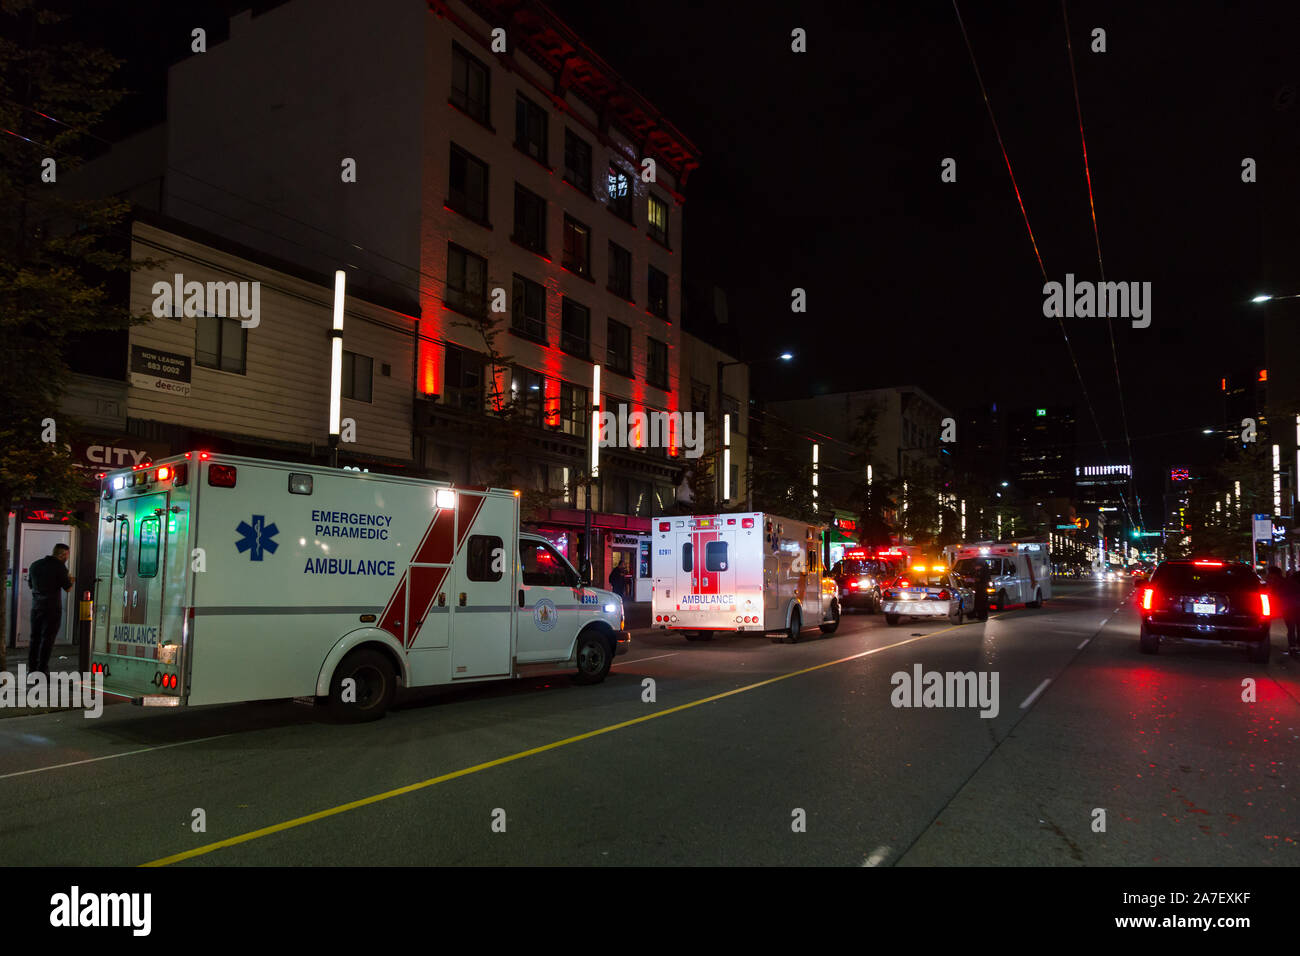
{"x": 464, "y": 379}
{"x": 659, "y": 220}
{"x": 528, "y": 302}
{"x": 530, "y": 128}
{"x": 577, "y": 161}
{"x": 530, "y": 220}
{"x": 618, "y": 350}
{"x": 221, "y": 343}
{"x": 470, "y": 84}
{"x": 656, "y": 363}
{"x": 468, "y": 188}
{"x": 700, "y": 397}
{"x": 620, "y": 271}
{"x": 574, "y": 409}
{"x": 358, "y": 371}
{"x": 577, "y": 247}
{"x": 575, "y": 331}
{"x": 620, "y": 192}
{"x": 528, "y": 392}
{"x": 657, "y": 292}
{"x": 466, "y": 281}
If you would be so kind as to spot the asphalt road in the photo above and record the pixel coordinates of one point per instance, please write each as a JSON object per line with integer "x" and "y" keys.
{"x": 744, "y": 739}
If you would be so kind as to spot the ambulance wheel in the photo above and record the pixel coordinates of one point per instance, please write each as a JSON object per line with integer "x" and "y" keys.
{"x": 372, "y": 691}
{"x": 791, "y": 635}
{"x": 893, "y": 619}
{"x": 828, "y": 627}
{"x": 594, "y": 657}
{"x": 1037, "y": 601}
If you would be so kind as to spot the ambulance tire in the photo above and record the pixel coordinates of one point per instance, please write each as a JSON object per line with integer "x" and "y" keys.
{"x": 796, "y": 626}
{"x": 1037, "y": 601}
{"x": 829, "y": 626}
{"x": 376, "y": 686}
{"x": 595, "y": 654}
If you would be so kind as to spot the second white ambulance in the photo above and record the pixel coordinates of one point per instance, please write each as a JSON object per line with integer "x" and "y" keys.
{"x": 747, "y": 572}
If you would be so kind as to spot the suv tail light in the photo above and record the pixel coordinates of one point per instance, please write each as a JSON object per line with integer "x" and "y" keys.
{"x": 221, "y": 476}
{"x": 1148, "y": 595}
{"x": 1264, "y": 605}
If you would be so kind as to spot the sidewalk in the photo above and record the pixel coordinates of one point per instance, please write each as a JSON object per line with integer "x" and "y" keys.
{"x": 64, "y": 659}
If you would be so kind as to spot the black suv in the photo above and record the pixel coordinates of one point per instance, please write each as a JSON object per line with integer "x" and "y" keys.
{"x": 1206, "y": 600}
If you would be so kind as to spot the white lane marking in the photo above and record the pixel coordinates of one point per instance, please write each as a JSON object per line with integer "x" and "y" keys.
{"x": 1085, "y": 641}
{"x": 1103, "y": 622}
{"x": 877, "y": 857}
{"x": 129, "y": 753}
{"x": 641, "y": 660}
{"x": 1034, "y": 696}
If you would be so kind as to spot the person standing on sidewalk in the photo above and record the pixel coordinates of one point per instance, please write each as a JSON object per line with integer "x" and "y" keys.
{"x": 48, "y": 578}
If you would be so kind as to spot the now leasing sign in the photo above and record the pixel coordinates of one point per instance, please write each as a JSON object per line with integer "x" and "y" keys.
{"x": 160, "y": 371}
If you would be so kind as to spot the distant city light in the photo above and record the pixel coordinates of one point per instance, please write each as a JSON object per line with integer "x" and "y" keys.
{"x": 1261, "y": 298}
{"x": 786, "y": 356}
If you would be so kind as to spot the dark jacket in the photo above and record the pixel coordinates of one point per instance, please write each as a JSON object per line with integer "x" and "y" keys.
{"x": 48, "y": 578}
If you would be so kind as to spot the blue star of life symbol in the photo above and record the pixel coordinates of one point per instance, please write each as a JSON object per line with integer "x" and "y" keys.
{"x": 257, "y": 537}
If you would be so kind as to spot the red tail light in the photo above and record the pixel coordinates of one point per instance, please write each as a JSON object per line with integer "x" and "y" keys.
{"x": 944, "y": 595}
{"x": 221, "y": 476}
{"x": 1208, "y": 564}
{"x": 853, "y": 584}
{"x": 665, "y": 525}
{"x": 1263, "y": 604}
{"x": 1148, "y": 595}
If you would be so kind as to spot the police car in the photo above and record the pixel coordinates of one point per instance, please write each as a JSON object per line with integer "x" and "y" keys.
{"x": 929, "y": 591}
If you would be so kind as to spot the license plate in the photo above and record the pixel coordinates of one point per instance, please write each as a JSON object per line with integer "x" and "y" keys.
{"x": 1199, "y": 608}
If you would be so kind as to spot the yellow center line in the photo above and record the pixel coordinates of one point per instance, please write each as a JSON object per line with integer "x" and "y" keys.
{"x": 433, "y": 781}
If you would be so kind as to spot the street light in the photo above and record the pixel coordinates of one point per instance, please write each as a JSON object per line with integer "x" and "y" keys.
{"x": 719, "y": 488}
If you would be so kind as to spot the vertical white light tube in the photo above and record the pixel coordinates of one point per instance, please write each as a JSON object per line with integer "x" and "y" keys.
{"x": 595, "y": 421}
{"x": 726, "y": 457}
{"x": 336, "y": 354}
{"x": 816, "y": 448}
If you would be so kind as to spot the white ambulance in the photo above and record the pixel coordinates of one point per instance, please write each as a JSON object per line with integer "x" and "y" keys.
{"x": 231, "y": 579}
{"x": 1020, "y": 572}
{"x": 747, "y": 572}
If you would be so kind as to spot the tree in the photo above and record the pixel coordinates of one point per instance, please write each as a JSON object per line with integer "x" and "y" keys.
{"x": 782, "y": 484}
{"x": 56, "y": 252}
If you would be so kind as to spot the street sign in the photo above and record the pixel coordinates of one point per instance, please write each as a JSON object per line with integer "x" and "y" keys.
{"x": 1262, "y": 527}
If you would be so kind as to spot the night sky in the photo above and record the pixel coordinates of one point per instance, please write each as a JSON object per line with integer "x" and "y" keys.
{"x": 822, "y": 170}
